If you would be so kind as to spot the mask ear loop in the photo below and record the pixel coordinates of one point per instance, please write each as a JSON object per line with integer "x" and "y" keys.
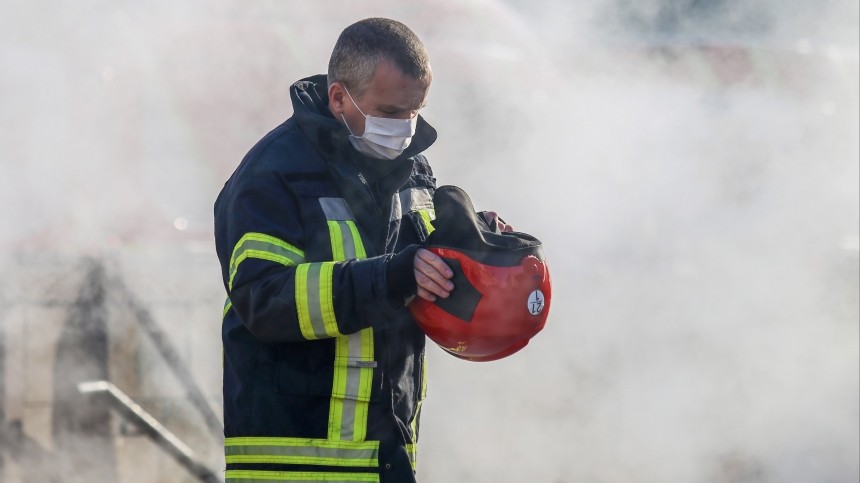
{"x": 353, "y": 101}
{"x": 356, "y": 106}
{"x": 347, "y": 126}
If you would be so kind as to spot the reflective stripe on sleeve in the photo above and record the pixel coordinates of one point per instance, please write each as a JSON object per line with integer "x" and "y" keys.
{"x": 299, "y": 451}
{"x": 314, "y": 300}
{"x": 265, "y": 247}
{"x": 227, "y": 306}
{"x": 412, "y": 451}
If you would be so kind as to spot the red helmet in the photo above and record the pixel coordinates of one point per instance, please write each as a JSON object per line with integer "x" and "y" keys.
{"x": 502, "y": 288}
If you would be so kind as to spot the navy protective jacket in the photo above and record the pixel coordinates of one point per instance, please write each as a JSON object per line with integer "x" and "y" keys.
{"x": 323, "y": 368}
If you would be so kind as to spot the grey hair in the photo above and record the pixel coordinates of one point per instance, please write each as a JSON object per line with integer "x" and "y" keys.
{"x": 363, "y": 44}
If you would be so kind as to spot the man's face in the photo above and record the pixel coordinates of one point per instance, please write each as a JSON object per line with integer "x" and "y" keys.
{"x": 391, "y": 94}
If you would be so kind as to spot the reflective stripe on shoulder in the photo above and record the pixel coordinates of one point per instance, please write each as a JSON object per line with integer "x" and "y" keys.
{"x": 336, "y": 209}
{"x": 251, "y": 476}
{"x": 301, "y": 451}
{"x": 415, "y": 199}
{"x": 265, "y": 247}
{"x": 345, "y": 241}
{"x": 412, "y": 199}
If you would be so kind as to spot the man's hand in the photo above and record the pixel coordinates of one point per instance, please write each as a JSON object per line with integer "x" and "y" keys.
{"x": 432, "y": 275}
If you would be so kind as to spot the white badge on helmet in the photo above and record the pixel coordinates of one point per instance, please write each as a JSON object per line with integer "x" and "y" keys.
{"x": 536, "y": 302}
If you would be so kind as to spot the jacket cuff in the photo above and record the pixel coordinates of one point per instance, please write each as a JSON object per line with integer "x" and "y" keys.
{"x": 400, "y": 274}
{"x": 373, "y": 301}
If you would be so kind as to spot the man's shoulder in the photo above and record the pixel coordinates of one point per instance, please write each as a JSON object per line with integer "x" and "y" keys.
{"x": 285, "y": 148}
{"x": 421, "y": 167}
{"x": 282, "y": 139}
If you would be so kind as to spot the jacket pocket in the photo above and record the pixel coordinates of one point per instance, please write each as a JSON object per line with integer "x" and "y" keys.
{"x": 305, "y": 368}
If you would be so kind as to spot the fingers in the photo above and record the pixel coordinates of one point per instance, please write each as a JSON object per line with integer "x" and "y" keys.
{"x": 424, "y": 294}
{"x": 432, "y": 275}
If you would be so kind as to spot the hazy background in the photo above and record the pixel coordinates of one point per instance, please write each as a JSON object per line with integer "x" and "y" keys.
{"x": 691, "y": 166}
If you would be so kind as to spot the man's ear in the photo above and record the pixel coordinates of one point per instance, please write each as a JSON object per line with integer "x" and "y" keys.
{"x": 336, "y": 98}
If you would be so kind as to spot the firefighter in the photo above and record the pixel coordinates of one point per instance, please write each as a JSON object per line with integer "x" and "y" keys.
{"x": 318, "y": 232}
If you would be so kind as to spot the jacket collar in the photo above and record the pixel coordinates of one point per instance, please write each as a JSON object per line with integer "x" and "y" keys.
{"x": 330, "y": 136}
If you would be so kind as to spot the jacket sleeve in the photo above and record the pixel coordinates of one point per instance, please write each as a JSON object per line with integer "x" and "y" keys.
{"x": 275, "y": 292}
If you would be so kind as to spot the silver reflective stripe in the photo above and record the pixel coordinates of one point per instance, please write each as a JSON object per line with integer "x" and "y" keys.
{"x": 353, "y": 365}
{"x": 255, "y": 476}
{"x": 416, "y": 199}
{"x": 314, "y": 307}
{"x": 347, "y": 241}
{"x": 396, "y": 209}
{"x": 353, "y": 377}
{"x": 337, "y": 213}
{"x": 353, "y": 370}
{"x": 412, "y": 199}
{"x": 301, "y": 452}
{"x": 336, "y": 209}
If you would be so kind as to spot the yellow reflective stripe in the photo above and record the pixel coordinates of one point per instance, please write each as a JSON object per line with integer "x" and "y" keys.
{"x": 421, "y": 396}
{"x": 227, "y": 306}
{"x": 327, "y": 299}
{"x": 345, "y": 240}
{"x": 351, "y": 386}
{"x": 427, "y": 216}
{"x": 265, "y": 247}
{"x": 247, "y": 476}
{"x": 412, "y": 451}
{"x": 314, "y": 300}
{"x": 336, "y": 234}
{"x": 336, "y": 431}
{"x": 301, "y": 451}
{"x": 423, "y": 376}
{"x": 365, "y": 385}
{"x": 305, "y": 323}
{"x": 353, "y": 366}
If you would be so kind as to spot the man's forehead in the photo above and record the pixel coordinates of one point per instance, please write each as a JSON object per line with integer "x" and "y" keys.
{"x": 397, "y": 93}
{"x": 388, "y": 76}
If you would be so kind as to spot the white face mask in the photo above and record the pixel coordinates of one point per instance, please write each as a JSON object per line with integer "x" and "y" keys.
{"x": 383, "y": 138}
